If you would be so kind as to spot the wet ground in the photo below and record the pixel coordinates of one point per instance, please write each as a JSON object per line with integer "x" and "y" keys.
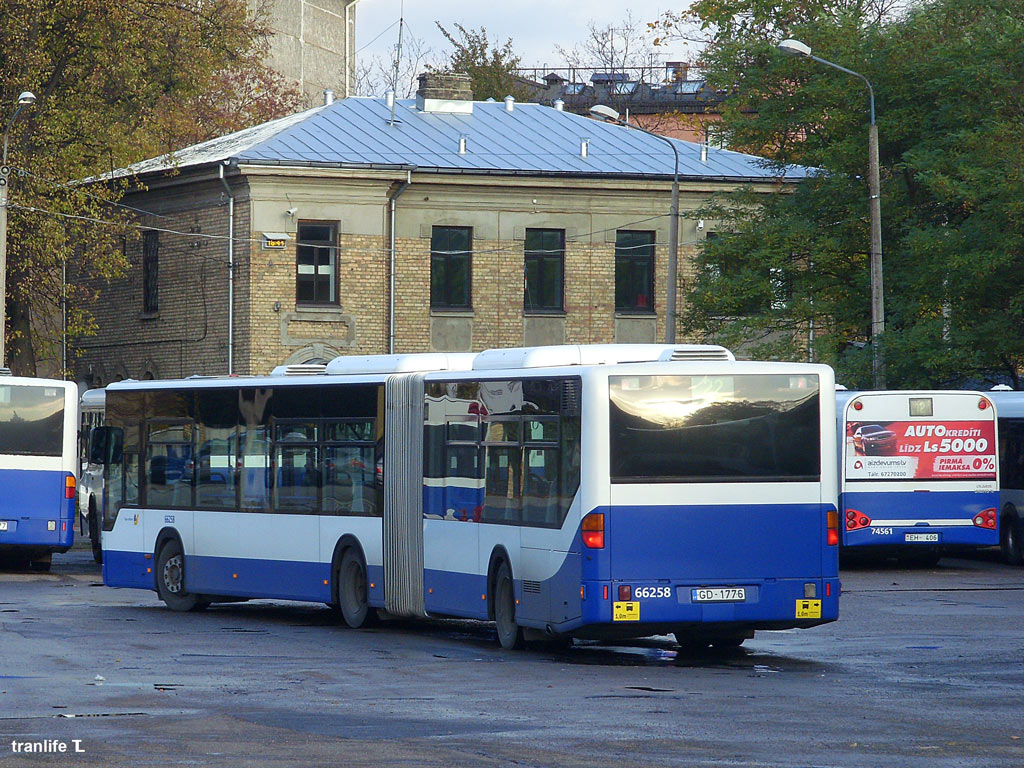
{"x": 925, "y": 668}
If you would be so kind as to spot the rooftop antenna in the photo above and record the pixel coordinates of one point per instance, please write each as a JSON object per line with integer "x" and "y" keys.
{"x": 398, "y": 58}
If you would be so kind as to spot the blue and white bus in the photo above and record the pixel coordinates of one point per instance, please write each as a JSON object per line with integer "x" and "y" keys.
{"x": 38, "y": 466}
{"x": 577, "y": 491}
{"x": 1010, "y": 411}
{"x": 918, "y": 472}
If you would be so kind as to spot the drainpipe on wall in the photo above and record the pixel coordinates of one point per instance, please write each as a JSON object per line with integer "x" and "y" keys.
{"x": 392, "y": 237}
{"x": 231, "y": 271}
{"x": 349, "y": 58}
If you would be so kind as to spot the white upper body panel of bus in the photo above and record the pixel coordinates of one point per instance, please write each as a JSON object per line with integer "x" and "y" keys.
{"x": 1009, "y": 402}
{"x": 68, "y": 461}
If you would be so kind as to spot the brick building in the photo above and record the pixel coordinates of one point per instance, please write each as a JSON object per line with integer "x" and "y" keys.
{"x": 508, "y": 224}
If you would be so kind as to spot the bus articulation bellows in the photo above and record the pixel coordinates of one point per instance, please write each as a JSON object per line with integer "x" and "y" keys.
{"x": 589, "y": 491}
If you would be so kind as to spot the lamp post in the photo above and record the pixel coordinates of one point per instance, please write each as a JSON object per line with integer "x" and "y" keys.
{"x": 802, "y": 50}
{"x": 25, "y": 99}
{"x": 608, "y": 114}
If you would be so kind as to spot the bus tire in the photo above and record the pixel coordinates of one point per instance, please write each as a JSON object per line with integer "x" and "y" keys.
{"x": 510, "y": 634}
{"x": 1010, "y": 537}
{"x": 353, "y": 589}
{"x": 41, "y": 564}
{"x": 170, "y": 579}
{"x": 94, "y": 534}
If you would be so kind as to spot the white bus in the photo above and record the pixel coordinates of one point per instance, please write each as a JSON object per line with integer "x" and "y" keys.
{"x": 588, "y": 491}
{"x": 918, "y": 472}
{"x": 1010, "y": 410}
{"x": 90, "y": 481}
{"x": 38, "y": 458}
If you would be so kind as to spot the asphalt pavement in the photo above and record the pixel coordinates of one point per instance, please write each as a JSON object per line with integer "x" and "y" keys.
{"x": 924, "y": 668}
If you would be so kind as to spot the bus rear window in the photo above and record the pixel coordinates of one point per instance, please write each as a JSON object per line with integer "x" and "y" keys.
{"x": 31, "y": 420}
{"x": 707, "y": 429}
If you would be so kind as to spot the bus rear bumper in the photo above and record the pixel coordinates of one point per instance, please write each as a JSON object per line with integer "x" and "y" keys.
{"x": 653, "y": 607}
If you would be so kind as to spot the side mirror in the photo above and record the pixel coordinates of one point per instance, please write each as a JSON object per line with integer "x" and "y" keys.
{"x": 99, "y": 438}
{"x": 105, "y": 445}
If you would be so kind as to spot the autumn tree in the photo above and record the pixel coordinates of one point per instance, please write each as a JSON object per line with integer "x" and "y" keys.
{"x": 789, "y": 275}
{"x": 491, "y": 67}
{"x": 116, "y": 83}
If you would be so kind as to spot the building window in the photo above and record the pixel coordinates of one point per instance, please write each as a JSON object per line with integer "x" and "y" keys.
{"x": 451, "y": 267}
{"x": 316, "y": 263}
{"x": 150, "y": 271}
{"x": 634, "y": 271}
{"x": 544, "y": 266}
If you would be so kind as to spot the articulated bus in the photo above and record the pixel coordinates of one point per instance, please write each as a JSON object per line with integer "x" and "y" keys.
{"x": 606, "y": 491}
{"x": 1010, "y": 411}
{"x": 38, "y": 457}
{"x": 918, "y": 472}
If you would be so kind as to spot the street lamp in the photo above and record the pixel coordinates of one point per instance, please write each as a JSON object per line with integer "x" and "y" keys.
{"x": 602, "y": 112}
{"x": 25, "y": 99}
{"x": 802, "y": 50}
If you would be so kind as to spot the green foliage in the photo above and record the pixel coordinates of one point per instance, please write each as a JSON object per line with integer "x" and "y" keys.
{"x": 950, "y": 112}
{"x": 491, "y": 68}
{"x": 116, "y": 82}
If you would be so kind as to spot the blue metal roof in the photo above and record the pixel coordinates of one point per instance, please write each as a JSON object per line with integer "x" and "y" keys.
{"x": 530, "y": 139}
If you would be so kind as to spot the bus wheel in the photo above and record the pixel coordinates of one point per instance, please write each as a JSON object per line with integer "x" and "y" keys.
{"x": 510, "y": 634}
{"x": 94, "y": 535}
{"x": 170, "y": 579}
{"x": 42, "y": 564}
{"x": 352, "y": 591}
{"x": 1009, "y": 538}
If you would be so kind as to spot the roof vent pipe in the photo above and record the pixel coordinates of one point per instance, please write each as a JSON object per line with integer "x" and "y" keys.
{"x": 389, "y": 99}
{"x": 584, "y": 147}
{"x": 328, "y": 97}
{"x": 703, "y": 151}
{"x": 462, "y": 144}
{"x": 510, "y": 103}
{"x": 559, "y": 105}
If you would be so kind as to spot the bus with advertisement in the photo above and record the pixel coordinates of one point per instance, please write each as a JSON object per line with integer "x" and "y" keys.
{"x": 919, "y": 474}
{"x": 604, "y": 491}
{"x": 38, "y": 469}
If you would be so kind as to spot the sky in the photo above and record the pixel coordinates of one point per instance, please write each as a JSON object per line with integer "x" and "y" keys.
{"x": 535, "y": 26}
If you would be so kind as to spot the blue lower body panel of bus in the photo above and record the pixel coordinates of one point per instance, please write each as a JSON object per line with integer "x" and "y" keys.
{"x": 36, "y": 516}
{"x": 726, "y": 568}
{"x": 918, "y": 518}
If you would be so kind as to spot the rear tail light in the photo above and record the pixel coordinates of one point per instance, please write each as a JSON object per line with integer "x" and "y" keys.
{"x": 625, "y": 593}
{"x": 856, "y": 520}
{"x": 983, "y": 404}
{"x": 832, "y": 524}
{"x": 986, "y": 519}
{"x": 69, "y": 487}
{"x": 593, "y": 530}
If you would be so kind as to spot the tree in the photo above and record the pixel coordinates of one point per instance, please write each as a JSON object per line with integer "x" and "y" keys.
{"x": 116, "y": 83}
{"x": 946, "y": 76}
{"x": 627, "y": 45}
{"x": 377, "y": 75}
{"x": 491, "y": 69}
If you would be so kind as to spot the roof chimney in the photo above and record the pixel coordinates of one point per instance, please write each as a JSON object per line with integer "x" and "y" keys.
{"x": 444, "y": 92}
{"x": 328, "y": 97}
